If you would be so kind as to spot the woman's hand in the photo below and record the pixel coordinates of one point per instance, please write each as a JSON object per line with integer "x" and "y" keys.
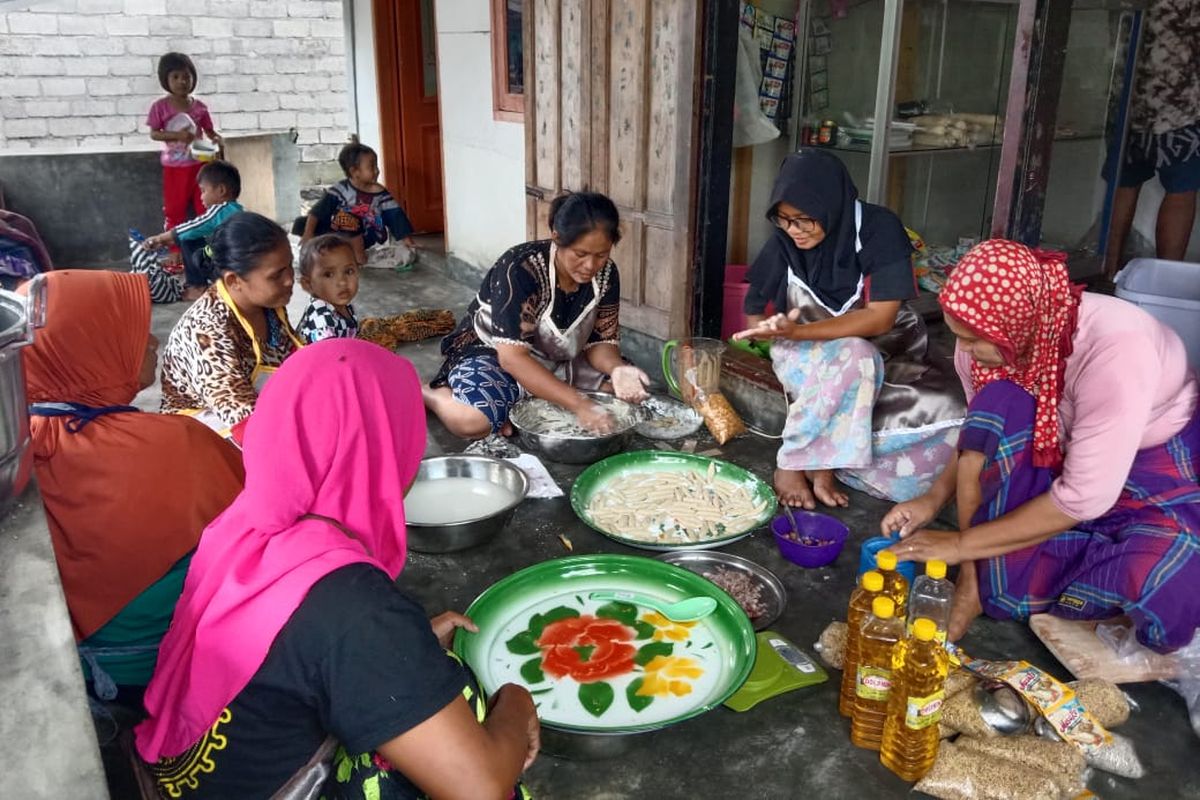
{"x": 629, "y": 383}
{"x": 909, "y": 516}
{"x": 779, "y": 326}
{"x": 593, "y": 418}
{"x": 533, "y": 727}
{"x": 927, "y": 545}
{"x": 445, "y": 624}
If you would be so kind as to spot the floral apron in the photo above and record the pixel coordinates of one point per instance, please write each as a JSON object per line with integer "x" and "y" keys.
{"x": 875, "y": 410}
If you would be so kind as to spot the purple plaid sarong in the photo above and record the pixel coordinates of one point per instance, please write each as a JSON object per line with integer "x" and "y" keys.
{"x": 1142, "y": 558}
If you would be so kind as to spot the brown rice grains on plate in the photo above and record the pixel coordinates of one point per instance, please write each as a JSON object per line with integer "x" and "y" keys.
{"x": 742, "y": 587}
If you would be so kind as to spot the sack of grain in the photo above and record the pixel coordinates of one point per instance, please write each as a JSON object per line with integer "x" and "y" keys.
{"x": 960, "y": 773}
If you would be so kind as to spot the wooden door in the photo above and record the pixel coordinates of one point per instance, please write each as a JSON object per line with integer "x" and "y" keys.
{"x": 405, "y": 52}
{"x": 610, "y": 90}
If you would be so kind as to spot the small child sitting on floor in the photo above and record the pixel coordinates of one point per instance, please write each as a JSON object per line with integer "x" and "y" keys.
{"x": 328, "y": 272}
{"x": 359, "y": 207}
{"x": 220, "y": 184}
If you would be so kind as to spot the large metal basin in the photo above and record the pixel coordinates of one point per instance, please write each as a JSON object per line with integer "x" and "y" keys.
{"x": 19, "y": 316}
{"x": 565, "y": 449}
{"x": 447, "y": 538}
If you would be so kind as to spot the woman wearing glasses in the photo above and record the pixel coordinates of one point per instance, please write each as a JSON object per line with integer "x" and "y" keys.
{"x": 851, "y": 355}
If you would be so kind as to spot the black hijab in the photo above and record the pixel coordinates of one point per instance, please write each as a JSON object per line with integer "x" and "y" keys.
{"x": 817, "y": 182}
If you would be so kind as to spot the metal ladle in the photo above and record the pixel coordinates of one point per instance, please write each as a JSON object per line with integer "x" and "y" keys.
{"x": 1003, "y": 709}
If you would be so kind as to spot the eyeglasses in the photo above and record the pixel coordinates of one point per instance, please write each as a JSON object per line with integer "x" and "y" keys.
{"x": 802, "y": 224}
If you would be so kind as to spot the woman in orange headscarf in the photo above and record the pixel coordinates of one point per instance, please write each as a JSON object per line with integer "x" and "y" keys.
{"x": 126, "y": 493}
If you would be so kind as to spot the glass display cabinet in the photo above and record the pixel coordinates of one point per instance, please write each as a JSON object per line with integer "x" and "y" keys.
{"x": 972, "y": 118}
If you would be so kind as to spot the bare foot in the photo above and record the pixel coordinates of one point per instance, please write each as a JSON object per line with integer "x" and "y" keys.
{"x": 191, "y": 293}
{"x": 827, "y": 491}
{"x": 506, "y": 429}
{"x": 792, "y": 487}
{"x": 965, "y": 609}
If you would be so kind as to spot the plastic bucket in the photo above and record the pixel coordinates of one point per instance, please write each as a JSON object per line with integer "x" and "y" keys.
{"x": 1170, "y": 292}
{"x": 866, "y": 556}
{"x": 733, "y": 318}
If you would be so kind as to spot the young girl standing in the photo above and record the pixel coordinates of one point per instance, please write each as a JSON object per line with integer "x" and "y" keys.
{"x": 177, "y": 120}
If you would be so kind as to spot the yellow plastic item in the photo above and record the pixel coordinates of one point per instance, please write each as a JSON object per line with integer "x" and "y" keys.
{"x": 895, "y": 585}
{"x": 924, "y": 629}
{"x": 910, "y": 734}
{"x": 870, "y": 585}
{"x": 936, "y": 569}
{"x": 880, "y": 632}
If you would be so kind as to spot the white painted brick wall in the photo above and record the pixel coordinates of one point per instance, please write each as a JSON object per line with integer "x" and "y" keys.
{"x": 82, "y": 72}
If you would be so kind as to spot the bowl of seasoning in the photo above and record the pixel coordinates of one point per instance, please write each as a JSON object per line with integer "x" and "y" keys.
{"x": 814, "y": 540}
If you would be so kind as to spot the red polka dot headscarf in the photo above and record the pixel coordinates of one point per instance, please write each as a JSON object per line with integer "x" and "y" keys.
{"x": 1023, "y": 302}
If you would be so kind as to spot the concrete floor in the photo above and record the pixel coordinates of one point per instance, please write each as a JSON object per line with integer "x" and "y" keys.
{"x": 792, "y": 746}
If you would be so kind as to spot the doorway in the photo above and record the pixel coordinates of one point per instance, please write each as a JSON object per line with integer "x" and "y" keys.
{"x": 406, "y": 58}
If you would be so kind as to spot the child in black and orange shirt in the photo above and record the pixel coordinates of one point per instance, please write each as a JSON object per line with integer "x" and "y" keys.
{"x": 359, "y": 207}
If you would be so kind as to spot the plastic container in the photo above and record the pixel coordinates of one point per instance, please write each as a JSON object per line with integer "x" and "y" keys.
{"x": 932, "y": 597}
{"x": 1170, "y": 292}
{"x": 910, "y": 734}
{"x": 895, "y": 585}
{"x": 820, "y": 527}
{"x": 866, "y": 556}
{"x": 873, "y": 675}
{"x": 733, "y": 318}
{"x": 861, "y": 599}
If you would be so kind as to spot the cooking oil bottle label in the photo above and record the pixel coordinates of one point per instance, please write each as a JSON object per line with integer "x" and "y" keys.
{"x": 874, "y": 683}
{"x": 940, "y": 636}
{"x": 924, "y": 711}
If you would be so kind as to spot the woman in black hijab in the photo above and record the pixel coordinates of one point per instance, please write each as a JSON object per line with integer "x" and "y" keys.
{"x": 851, "y": 355}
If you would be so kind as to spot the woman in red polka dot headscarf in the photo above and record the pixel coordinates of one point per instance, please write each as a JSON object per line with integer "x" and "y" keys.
{"x": 1076, "y": 474}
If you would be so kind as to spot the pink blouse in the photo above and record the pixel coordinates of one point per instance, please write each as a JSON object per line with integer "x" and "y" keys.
{"x": 1127, "y": 387}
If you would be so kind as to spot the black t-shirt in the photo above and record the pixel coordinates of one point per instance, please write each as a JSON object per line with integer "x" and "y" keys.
{"x": 357, "y": 660}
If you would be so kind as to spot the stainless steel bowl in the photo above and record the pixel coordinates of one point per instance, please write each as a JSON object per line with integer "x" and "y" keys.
{"x": 447, "y": 538}
{"x": 566, "y": 449}
{"x": 592, "y": 746}
{"x": 703, "y": 562}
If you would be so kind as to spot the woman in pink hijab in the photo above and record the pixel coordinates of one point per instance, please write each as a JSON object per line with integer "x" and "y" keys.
{"x": 291, "y": 638}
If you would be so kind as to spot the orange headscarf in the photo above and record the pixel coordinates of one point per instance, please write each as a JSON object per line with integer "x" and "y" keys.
{"x": 1022, "y": 301}
{"x": 128, "y": 494}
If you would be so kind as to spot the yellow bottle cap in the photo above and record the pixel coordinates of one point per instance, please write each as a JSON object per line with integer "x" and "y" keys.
{"x": 924, "y": 629}
{"x": 885, "y": 559}
{"x": 883, "y": 607}
{"x": 935, "y": 569}
{"x": 872, "y": 581}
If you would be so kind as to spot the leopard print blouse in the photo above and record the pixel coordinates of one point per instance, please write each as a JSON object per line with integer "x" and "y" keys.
{"x": 209, "y": 360}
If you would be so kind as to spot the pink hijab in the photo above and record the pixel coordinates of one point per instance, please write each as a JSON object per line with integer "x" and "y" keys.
{"x": 338, "y": 433}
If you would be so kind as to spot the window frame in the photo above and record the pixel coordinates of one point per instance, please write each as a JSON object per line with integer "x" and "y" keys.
{"x": 506, "y": 106}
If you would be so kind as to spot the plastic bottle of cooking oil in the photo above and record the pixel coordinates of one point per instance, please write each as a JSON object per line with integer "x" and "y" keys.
{"x": 910, "y": 734}
{"x": 895, "y": 585}
{"x": 932, "y": 598}
{"x": 880, "y": 632}
{"x": 870, "y": 585}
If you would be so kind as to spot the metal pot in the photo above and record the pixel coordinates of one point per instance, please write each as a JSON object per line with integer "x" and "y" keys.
{"x": 592, "y": 746}
{"x": 447, "y": 538}
{"x": 565, "y": 449}
{"x": 19, "y": 317}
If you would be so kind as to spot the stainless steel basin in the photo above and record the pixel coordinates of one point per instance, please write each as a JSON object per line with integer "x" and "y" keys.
{"x": 447, "y": 538}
